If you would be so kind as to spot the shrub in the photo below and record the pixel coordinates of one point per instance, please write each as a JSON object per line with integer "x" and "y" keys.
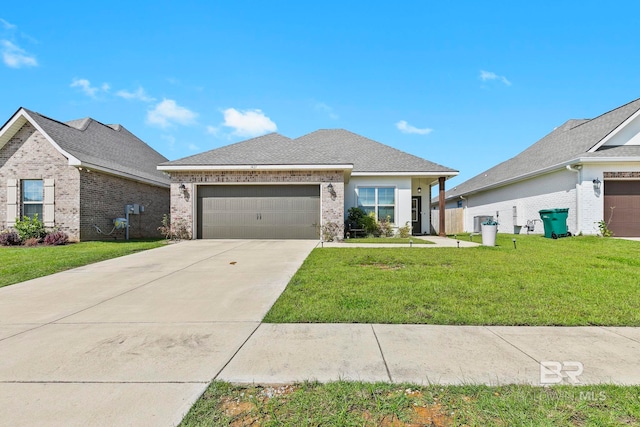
{"x": 9, "y": 238}
{"x": 356, "y": 217}
{"x": 405, "y": 231}
{"x": 30, "y": 228}
{"x": 179, "y": 230}
{"x": 32, "y": 241}
{"x": 370, "y": 225}
{"x": 385, "y": 228}
{"x": 56, "y": 238}
{"x": 329, "y": 231}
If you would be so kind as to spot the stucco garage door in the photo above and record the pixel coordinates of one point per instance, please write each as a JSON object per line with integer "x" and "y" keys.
{"x": 624, "y": 197}
{"x": 258, "y": 211}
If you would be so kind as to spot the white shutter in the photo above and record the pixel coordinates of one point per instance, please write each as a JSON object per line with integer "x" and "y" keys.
{"x": 12, "y": 202}
{"x": 48, "y": 208}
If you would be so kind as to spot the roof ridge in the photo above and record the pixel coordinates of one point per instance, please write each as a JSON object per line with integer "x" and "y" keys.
{"x": 47, "y": 117}
{"x": 610, "y": 111}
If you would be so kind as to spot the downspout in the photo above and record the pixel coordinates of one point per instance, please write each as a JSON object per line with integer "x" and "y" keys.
{"x": 578, "y": 170}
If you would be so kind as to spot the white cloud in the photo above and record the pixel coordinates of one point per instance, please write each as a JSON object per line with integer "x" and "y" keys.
{"x": 489, "y": 75}
{"x": 168, "y": 112}
{"x": 321, "y": 106}
{"x": 7, "y": 25}
{"x": 405, "y": 127}
{"x": 193, "y": 147}
{"x": 87, "y": 89}
{"x": 85, "y": 85}
{"x": 16, "y": 57}
{"x": 212, "y": 130}
{"x": 248, "y": 122}
{"x": 139, "y": 94}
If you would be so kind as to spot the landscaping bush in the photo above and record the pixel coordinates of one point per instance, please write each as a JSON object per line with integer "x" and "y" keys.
{"x": 385, "y": 228}
{"x": 370, "y": 225}
{"x": 32, "y": 241}
{"x": 9, "y": 238}
{"x": 56, "y": 238}
{"x": 179, "y": 230}
{"x": 30, "y": 228}
{"x": 405, "y": 232}
{"x": 356, "y": 217}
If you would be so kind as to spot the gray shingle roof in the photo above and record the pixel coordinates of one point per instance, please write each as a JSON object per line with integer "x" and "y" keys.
{"x": 566, "y": 143}
{"x": 111, "y": 147}
{"x": 322, "y": 147}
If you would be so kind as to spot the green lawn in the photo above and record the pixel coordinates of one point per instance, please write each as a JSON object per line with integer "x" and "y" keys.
{"x": 20, "y": 263}
{"x": 570, "y": 281}
{"x": 378, "y": 240}
{"x": 362, "y": 404}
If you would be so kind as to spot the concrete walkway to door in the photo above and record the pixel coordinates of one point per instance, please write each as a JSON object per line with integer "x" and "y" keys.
{"x": 135, "y": 340}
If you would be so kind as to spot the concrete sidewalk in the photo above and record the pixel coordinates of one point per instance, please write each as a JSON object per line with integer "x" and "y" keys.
{"x": 424, "y": 354}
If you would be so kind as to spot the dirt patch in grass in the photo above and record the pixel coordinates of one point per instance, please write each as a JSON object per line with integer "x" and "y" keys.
{"x": 430, "y": 415}
{"x": 382, "y": 266}
{"x": 408, "y": 405}
{"x": 243, "y": 412}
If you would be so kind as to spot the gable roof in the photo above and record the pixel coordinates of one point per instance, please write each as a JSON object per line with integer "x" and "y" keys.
{"x": 89, "y": 143}
{"x": 569, "y": 143}
{"x": 335, "y": 147}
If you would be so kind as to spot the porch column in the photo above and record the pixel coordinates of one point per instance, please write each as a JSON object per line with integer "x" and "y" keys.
{"x": 441, "y": 224}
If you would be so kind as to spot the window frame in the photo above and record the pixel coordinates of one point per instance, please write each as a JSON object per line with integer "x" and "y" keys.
{"x": 375, "y": 207}
{"x": 24, "y": 202}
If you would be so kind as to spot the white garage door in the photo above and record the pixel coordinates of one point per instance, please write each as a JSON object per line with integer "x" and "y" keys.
{"x": 258, "y": 211}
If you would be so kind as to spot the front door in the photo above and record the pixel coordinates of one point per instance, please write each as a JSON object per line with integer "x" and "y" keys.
{"x": 416, "y": 215}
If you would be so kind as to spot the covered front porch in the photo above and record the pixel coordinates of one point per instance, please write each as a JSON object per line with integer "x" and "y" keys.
{"x": 422, "y": 193}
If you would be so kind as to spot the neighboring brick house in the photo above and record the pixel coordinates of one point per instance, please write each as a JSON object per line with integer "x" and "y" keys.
{"x": 277, "y": 187}
{"x": 590, "y": 166}
{"x": 79, "y": 176}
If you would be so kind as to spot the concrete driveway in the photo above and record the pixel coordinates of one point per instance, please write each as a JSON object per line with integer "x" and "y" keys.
{"x": 135, "y": 340}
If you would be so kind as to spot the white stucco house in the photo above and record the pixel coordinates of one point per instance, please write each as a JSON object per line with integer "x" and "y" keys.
{"x": 590, "y": 166}
{"x": 282, "y": 188}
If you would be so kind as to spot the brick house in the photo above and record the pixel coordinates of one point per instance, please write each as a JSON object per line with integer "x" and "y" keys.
{"x": 281, "y": 188}
{"x": 78, "y": 176}
{"x": 590, "y": 166}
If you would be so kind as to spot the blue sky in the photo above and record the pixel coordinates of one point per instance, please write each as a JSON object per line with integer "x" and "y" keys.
{"x": 465, "y": 84}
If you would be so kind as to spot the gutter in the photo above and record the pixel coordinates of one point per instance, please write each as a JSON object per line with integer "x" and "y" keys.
{"x": 579, "y": 160}
{"x": 578, "y": 169}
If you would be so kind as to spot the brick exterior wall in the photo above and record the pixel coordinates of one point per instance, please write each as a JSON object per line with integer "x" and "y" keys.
{"x": 332, "y": 207}
{"x": 81, "y": 198}
{"x": 103, "y": 197}
{"x": 28, "y": 155}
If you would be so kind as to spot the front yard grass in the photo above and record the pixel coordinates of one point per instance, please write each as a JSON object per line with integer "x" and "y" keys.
{"x": 574, "y": 281}
{"x": 382, "y": 404}
{"x": 20, "y": 263}
{"x": 399, "y": 240}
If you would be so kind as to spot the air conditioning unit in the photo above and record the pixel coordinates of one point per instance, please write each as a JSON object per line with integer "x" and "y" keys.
{"x": 478, "y": 220}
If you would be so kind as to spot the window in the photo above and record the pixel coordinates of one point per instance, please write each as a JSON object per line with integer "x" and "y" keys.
{"x": 381, "y": 200}
{"x": 32, "y": 197}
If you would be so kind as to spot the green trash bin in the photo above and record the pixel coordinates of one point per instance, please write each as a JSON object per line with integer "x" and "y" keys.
{"x": 555, "y": 222}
